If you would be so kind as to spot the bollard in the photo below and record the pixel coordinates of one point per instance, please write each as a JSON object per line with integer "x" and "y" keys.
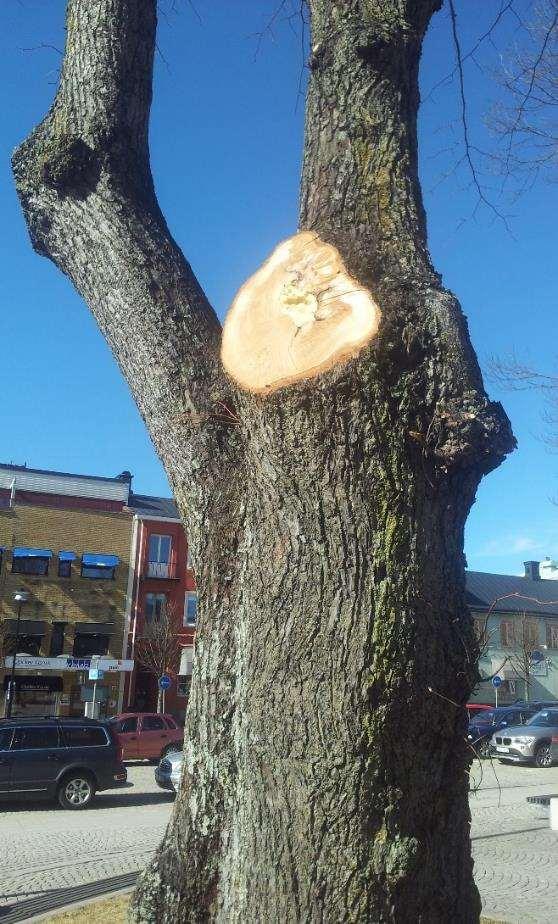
{"x": 554, "y": 814}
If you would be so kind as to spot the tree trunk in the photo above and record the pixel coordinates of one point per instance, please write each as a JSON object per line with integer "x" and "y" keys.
{"x": 325, "y": 757}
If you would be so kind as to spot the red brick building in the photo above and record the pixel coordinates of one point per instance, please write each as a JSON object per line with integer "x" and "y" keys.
{"x": 163, "y": 582}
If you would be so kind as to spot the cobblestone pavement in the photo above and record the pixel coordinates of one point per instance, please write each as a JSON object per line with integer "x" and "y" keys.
{"x": 516, "y": 853}
{"x": 44, "y": 848}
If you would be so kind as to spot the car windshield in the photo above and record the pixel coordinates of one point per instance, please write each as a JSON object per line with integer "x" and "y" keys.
{"x": 547, "y": 718}
{"x": 488, "y": 717}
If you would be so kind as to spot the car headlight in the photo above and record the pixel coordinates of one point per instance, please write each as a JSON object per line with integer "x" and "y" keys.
{"x": 526, "y": 739}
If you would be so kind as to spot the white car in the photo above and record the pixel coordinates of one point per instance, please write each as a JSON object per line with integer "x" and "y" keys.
{"x": 169, "y": 771}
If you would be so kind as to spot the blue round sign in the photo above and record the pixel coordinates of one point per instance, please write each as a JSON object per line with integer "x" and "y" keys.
{"x": 164, "y": 682}
{"x": 537, "y": 656}
{"x": 497, "y": 681}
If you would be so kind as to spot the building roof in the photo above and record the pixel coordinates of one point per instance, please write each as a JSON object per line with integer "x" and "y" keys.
{"x": 145, "y": 506}
{"x": 44, "y": 481}
{"x": 508, "y": 593}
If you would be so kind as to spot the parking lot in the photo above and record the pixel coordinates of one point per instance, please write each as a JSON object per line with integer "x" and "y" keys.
{"x": 44, "y": 849}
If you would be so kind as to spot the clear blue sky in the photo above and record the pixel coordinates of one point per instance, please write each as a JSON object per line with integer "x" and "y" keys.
{"x": 226, "y": 142}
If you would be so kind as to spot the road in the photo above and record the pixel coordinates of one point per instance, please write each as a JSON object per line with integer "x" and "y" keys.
{"x": 44, "y": 849}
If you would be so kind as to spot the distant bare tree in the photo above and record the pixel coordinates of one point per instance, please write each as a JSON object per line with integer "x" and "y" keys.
{"x": 527, "y": 122}
{"x": 158, "y": 650}
{"x": 525, "y": 641}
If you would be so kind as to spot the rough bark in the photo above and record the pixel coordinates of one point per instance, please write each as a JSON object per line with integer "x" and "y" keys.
{"x": 325, "y": 757}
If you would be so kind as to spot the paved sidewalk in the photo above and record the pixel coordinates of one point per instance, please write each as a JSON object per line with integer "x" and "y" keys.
{"x": 44, "y": 848}
{"x": 516, "y": 853}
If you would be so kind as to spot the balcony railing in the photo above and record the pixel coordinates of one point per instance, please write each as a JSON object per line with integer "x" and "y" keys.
{"x": 161, "y": 569}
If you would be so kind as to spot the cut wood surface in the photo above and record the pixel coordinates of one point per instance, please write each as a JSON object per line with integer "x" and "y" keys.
{"x": 299, "y": 314}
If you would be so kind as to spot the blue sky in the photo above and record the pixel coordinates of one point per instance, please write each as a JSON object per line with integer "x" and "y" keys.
{"x": 226, "y": 141}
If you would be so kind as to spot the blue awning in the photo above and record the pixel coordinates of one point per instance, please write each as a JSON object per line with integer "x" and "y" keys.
{"x": 25, "y": 552}
{"x": 93, "y": 560}
{"x": 67, "y": 556}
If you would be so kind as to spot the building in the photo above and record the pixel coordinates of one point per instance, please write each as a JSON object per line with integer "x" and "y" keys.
{"x": 163, "y": 586}
{"x": 66, "y": 542}
{"x": 516, "y": 620}
{"x": 100, "y": 565}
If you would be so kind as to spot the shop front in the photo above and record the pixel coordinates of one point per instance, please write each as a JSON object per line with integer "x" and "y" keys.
{"x": 61, "y": 685}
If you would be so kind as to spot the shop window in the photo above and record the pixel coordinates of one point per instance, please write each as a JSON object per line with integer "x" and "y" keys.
{"x": 552, "y": 634}
{"x": 152, "y": 723}
{"x": 190, "y": 608}
{"x": 99, "y": 567}
{"x": 155, "y": 607}
{"x": 87, "y": 645}
{"x": 26, "y": 560}
{"x": 57, "y": 639}
{"x": 33, "y": 738}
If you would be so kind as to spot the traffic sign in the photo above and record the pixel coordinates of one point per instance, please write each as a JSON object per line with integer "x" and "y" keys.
{"x": 95, "y": 673}
{"x": 536, "y": 656}
{"x": 164, "y": 682}
{"x": 497, "y": 681}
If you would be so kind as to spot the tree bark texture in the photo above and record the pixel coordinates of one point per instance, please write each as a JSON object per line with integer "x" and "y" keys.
{"x": 326, "y": 765}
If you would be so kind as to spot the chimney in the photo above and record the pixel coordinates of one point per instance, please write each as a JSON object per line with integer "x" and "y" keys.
{"x": 532, "y": 570}
{"x": 125, "y": 476}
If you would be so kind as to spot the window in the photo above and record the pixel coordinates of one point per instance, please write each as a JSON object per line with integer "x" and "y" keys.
{"x": 170, "y": 722}
{"x": 85, "y": 736}
{"x": 26, "y": 644}
{"x": 530, "y": 632}
{"x": 5, "y": 739}
{"x": 65, "y": 560}
{"x": 552, "y": 634}
{"x": 159, "y": 549}
{"x": 32, "y": 738}
{"x": 87, "y": 645}
{"x": 98, "y": 567}
{"x": 57, "y": 639}
{"x": 152, "y": 723}
{"x": 26, "y": 560}
{"x": 183, "y": 686}
{"x": 155, "y": 606}
{"x": 127, "y": 725}
{"x": 507, "y": 633}
{"x": 190, "y": 608}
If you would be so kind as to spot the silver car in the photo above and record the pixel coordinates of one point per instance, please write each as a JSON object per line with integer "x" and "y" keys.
{"x": 530, "y": 743}
{"x": 169, "y": 771}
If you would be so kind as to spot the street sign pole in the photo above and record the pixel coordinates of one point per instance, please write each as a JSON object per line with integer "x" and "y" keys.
{"x": 496, "y": 691}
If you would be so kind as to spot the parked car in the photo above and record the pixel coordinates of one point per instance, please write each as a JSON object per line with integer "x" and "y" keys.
{"x": 65, "y": 759}
{"x": 486, "y": 723}
{"x": 169, "y": 771}
{"x": 474, "y": 708}
{"x": 530, "y": 743}
{"x": 147, "y": 735}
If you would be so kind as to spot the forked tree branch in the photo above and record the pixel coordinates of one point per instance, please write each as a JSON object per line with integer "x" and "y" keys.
{"x": 85, "y": 185}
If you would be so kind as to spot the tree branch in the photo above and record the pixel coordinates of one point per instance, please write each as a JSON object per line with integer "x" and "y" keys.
{"x": 85, "y": 186}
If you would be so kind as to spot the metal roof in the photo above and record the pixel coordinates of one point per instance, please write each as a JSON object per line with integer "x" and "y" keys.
{"x": 508, "y": 593}
{"x": 145, "y": 506}
{"x": 43, "y": 481}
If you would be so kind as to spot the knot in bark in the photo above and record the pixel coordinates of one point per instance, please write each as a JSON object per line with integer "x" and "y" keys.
{"x": 71, "y": 167}
{"x": 471, "y": 432}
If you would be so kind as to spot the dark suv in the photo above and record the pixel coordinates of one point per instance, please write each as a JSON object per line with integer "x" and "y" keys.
{"x": 66, "y": 759}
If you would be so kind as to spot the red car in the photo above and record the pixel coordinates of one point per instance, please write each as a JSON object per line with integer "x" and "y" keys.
{"x": 146, "y": 735}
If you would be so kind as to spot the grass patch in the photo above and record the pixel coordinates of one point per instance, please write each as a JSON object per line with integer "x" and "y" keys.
{"x": 106, "y": 911}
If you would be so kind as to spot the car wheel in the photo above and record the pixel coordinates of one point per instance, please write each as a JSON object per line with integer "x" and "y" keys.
{"x": 76, "y": 791}
{"x": 543, "y": 756}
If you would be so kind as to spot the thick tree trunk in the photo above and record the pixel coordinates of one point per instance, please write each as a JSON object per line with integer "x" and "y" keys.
{"x": 325, "y": 761}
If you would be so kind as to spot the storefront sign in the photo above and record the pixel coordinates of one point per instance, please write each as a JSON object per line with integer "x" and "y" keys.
{"x": 69, "y": 664}
{"x": 24, "y": 684}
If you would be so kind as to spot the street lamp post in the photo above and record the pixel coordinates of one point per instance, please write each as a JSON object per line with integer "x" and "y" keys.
{"x": 20, "y": 597}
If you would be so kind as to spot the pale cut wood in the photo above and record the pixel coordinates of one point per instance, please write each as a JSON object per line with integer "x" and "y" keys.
{"x": 299, "y": 314}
